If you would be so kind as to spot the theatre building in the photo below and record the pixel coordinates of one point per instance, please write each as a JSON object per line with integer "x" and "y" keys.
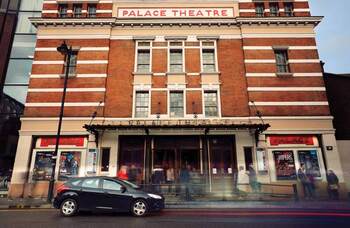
{"x": 209, "y": 85}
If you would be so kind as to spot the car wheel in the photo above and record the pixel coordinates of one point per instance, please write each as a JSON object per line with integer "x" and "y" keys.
{"x": 139, "y": 208}
{"x": 69, "y": 207}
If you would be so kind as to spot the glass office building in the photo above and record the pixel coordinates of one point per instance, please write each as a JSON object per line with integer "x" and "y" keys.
{"x": 22, "y": 53}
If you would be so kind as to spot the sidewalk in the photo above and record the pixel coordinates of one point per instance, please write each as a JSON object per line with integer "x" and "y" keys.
{"x": 307, "y": 205}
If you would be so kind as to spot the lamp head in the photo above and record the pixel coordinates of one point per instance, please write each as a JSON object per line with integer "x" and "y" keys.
{"x": 63, "y": 49}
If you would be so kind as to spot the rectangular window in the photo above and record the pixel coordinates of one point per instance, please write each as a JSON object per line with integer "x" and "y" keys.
{"x": 143, "y": 61}
{"x": 274, "y": 9}
{"x": 42, "y": 166}
{"x": 211, "y": 103}
{"x": 248, "y": 157}
{"x": 72, "y": 64}
{"x": 208, "y": 60}
{"x": 77, "y": 9}
{"x": 91, "y": 10}
{"x": 105, "y": 159}
{"x": 176, "y": 61}
{"x": 310, "y": 161}
{"x": 259, "y": 9}
{"x": 176, "y": 104}
{"x": 288, "y": 9}
{"x": 62, "y": 10}
{"x": 282, "y": 61}
{"x": 141, "y": 104}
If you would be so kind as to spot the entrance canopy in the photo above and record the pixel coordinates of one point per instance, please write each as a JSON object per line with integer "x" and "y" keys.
{"x": 205, "y": 125}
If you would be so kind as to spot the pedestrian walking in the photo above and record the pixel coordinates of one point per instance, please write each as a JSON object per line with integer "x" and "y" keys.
{"x": 305, "y": 181}
{"x": 333, "y": 185}
{"x": 185, "y": 181}
{"x": 253, "y": 181}
{"x": 170, "y": 178}
{"x": 242, "y": 181}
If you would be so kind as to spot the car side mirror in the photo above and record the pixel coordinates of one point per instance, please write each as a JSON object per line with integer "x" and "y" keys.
{"x": 123, "y": 189}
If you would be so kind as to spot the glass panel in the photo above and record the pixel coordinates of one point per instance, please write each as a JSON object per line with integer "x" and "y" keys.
{"x": 176, "y": 104}
{"x": 141, "y": 104}
{"x": 90, "y": 183}
{"x": 23, "y": 46}
{"x": 259, "y": 9}
{"x": 222, "y": 160}
{"x": 3, "y": 4}
{"x": 92, "y": 10}
{"x": 77, "y": 8}
{"x": 69, "y": 165}
{"x": 105, "y": 159}
{"x": 273, "y": 9}
{"x": 281, "y": 61}
{"x": 42, "y": 166}
{"x": 210, "y": 101}
{"x": 31, "y": 5}
{"x": 111, "y": 185}
{"x": 288, "y": 9}
{"x": 310, "y": 161}
{"x": 18, "y": 71}
{"x": 208, "y": 59}
{"x": 24, "y": 25}
{"x": 285, "y": 165}
{"x": 14, "y": 5}
{"x": 131, "y": 158}
{"x": 176, "y": 60}
{"x": 63, "y": 10}
{"x": 18, "y": 93}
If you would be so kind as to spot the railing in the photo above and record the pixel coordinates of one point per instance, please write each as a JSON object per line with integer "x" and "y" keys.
{"x": 191, "y": 191}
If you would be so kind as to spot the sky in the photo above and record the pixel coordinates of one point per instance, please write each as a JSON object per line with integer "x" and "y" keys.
{"x": 333, "y": 33}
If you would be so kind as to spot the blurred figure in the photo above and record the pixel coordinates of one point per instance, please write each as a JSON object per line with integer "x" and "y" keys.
{"x": 133, "y": 173}
{"x": 253, "y": 181}
{"x": 242, "y": 181}
{"x": 123, "y": 173}
{"x": 170, "y": 178}
{"x": 157, "y": 178}
{"x": 333, "y": 185}
{"x": 305, "y": 181}
{"x": 185, "y": 181}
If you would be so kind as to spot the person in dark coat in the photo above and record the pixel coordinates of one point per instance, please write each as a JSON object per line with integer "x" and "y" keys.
{"x": 305, "y": 181}
{"x": 185, "y": 181}
{"x": 333, "y": 185}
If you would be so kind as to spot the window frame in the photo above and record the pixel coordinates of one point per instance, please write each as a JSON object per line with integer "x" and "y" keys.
{"x": 75, "y": 7}
{"x": 72, "y": 71}
{"x": 62, "y": 7}
{"x": 211, "y": 48}
{"x": 142, "y": 106}
{"x": 176, "y": 48}
{"x": 290, "y": 6}
{"x": 286, "y": 64}
{"x": 212, "y": 91}
{"x": 176, "y": 107}
{"x": 143, "y": 48}
{"x": 274, "y": 5}
{"x": 259, "y": 5}
{"x": 91, "y": 6}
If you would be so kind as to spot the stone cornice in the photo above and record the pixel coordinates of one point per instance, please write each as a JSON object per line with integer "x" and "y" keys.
{"x": 36, "y": 21}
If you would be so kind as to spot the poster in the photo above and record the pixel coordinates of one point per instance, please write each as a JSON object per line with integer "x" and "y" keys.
{"x": 42, "y": 166}
{"x": 69, "y": 164}
{"x": 261, "y": 160}
{"x": 285, "y": 165}
{"x": 91, "y": 161}
{"x": 310, "y": 160}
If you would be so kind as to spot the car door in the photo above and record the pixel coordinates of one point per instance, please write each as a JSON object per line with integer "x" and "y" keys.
{"x": 114, "y": 197}
{"x": 91, "y": 193}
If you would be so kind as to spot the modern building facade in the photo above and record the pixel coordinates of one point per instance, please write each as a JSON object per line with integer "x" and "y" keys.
{"x": 159, "y": 84}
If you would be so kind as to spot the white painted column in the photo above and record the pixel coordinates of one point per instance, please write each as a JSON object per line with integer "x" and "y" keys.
{"x": 332, "y": 156}
{"x": 23, "y": 154}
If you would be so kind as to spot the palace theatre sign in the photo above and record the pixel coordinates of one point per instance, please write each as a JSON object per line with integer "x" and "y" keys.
{"x": 175, "y": 12}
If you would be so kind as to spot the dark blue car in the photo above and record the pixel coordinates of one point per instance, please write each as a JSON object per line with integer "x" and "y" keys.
{"x": 106, "y": 194}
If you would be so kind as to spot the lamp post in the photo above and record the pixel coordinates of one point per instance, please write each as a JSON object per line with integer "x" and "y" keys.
{"x": 67, "y": 52}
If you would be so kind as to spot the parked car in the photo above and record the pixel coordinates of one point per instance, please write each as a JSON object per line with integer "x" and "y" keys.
{"x": 106, "y": 194}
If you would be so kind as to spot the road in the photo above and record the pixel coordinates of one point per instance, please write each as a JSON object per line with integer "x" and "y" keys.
{"x": 49, "y": 218}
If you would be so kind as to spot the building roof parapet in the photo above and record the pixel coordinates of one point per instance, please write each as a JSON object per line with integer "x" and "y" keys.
{"x": 36, "y": 21}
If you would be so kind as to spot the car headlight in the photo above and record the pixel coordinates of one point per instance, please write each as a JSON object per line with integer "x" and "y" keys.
{"x": 154, "y": 196}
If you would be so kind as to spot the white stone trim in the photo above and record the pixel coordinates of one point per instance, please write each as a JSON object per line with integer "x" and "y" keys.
{"x": 43, "y": 90}
{"x": 290, "y": 103}
{"x": 273, "y": 89}
{"x": 66, "y": 104}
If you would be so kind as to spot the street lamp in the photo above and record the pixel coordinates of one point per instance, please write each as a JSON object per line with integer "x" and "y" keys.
{"x": 67, "y": 52}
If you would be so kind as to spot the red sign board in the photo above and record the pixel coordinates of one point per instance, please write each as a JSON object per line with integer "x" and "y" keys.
{"x": 276, "y": 140}
{"x": 64, "y": 141}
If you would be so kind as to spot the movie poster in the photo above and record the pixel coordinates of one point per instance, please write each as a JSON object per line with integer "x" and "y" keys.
{"x": 42, "y": 166}
{"x": 285, "y": 165}
{"x": 69, "y": 164}
{"x": 310, "y": 160}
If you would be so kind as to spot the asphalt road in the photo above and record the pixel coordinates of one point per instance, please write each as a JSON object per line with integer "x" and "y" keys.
{"x": 215, "y": 218}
